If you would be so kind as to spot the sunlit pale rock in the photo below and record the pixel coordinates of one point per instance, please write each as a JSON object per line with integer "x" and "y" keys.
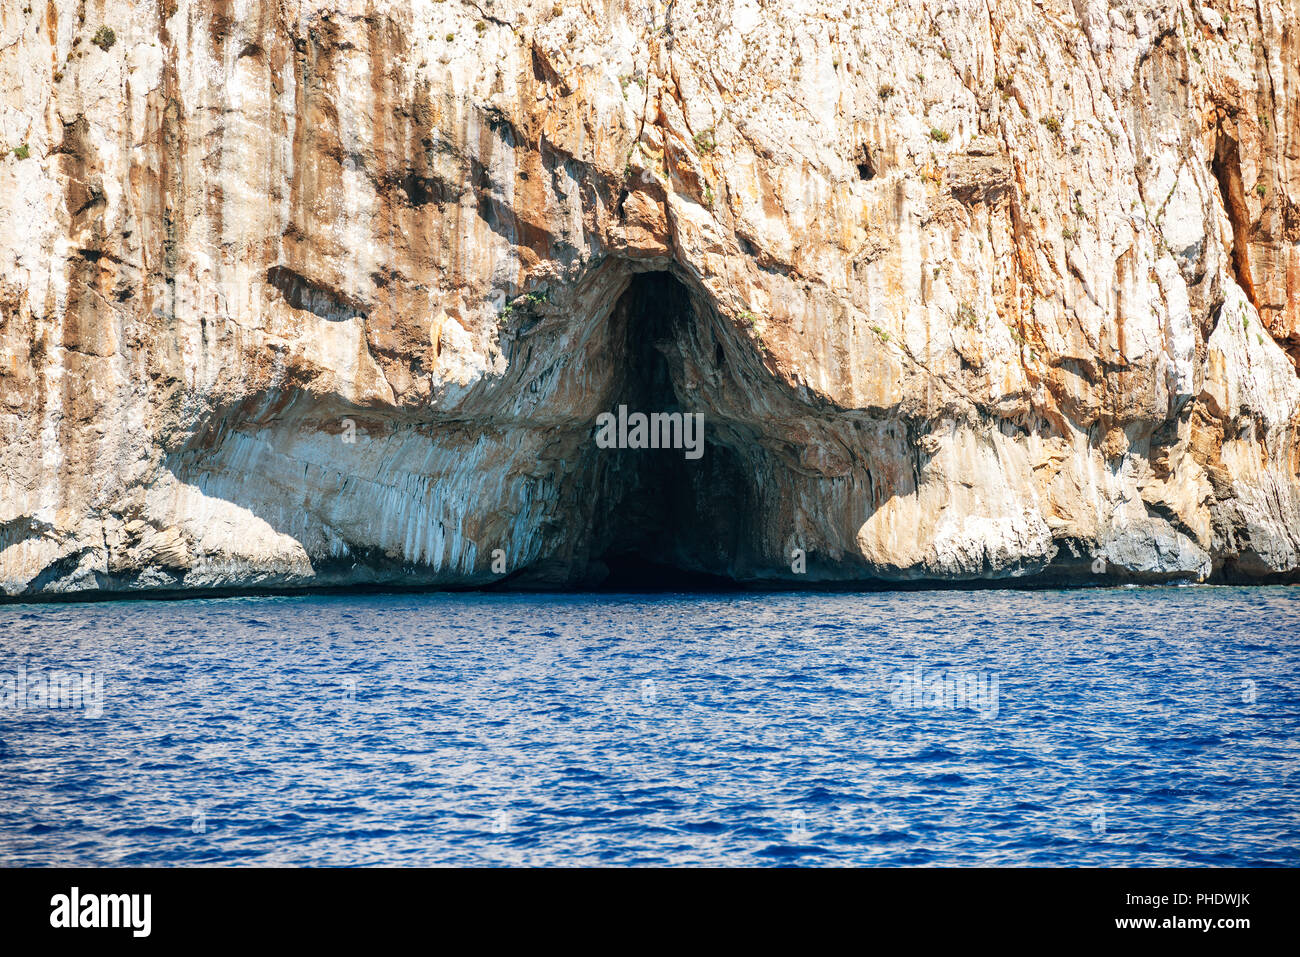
{"x": 312, "y": 293}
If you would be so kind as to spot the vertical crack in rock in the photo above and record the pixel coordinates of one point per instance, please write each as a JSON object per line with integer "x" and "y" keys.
{"x": 1227, "y": 170}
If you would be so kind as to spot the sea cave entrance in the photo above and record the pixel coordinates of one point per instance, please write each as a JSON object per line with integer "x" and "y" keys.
{"x": 675, "y": 516}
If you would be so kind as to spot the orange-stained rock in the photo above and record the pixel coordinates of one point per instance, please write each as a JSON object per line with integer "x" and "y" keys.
{"x": 332, "y": 291}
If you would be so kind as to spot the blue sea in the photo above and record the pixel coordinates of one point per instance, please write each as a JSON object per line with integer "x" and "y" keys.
{"x": 1125, "y": 726}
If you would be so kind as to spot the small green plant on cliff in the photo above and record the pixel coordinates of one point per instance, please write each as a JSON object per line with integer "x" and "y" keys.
{"x": 881, "y": 334}
{"x": 451, "y": 37}
{"x": 528, "y": 299}
{"x": 481, "y": 27}
{"x": 1053, "y": 125}
{"x": 750, "y": 321}
{"x": 965, "y": 315}
{"x": 705, "y": 142}
{"x": 939, "y": 136}
{"x": 1260, "y": 189}
{"x": 104, "y": 38}
{"x": 21, "y": 151}
{"x": 886, "y": 91}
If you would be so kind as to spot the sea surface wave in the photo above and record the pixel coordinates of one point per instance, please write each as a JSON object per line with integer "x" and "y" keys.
{"x": 1148, "y": 726}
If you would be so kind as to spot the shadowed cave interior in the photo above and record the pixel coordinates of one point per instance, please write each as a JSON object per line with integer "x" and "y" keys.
{"x": 662, "y": 520}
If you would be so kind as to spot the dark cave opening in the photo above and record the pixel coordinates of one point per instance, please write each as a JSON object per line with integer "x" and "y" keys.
{"x": 865, "y": 164}
{"x": 675, "y": 516}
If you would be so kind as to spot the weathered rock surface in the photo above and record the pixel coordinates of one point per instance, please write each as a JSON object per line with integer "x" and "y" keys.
{"x": 313, "y": 292}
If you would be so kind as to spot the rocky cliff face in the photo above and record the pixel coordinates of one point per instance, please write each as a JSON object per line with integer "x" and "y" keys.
{"x": 311, "y": 292}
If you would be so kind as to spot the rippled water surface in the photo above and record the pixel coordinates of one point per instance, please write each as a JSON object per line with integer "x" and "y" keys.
{"x": 1116, "y": 726}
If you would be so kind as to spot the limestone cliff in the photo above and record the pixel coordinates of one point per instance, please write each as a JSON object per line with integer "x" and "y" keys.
{"x": 309, "y": 292}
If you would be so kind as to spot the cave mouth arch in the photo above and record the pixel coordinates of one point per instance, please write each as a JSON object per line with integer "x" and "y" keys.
{"x": 667, "y": 517}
